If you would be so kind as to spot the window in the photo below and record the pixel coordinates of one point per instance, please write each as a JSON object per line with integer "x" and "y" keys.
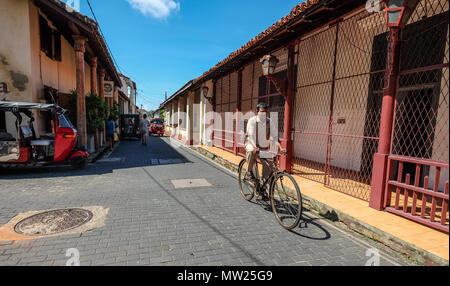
{"x": 64, "y": 122}
{"x": 57, "y": 46}
{"x": 50, "y": 40}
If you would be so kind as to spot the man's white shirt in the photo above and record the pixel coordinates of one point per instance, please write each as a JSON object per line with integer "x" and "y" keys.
{"x": 252, "y": 124}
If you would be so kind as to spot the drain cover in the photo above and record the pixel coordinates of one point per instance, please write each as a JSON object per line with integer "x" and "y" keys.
{"x": 52, "y": 222}
{"x": 190, "y": 183}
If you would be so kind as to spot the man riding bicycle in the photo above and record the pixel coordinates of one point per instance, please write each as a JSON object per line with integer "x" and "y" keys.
{"x": 259, "y": 140}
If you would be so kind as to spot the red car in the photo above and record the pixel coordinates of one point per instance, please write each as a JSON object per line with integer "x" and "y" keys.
{"x": 157, "y": 127}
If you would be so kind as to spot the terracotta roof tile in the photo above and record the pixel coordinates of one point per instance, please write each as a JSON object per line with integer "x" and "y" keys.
{"x": 296, "y": 11}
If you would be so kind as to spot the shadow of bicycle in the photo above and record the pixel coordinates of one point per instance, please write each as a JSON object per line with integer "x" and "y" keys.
{"x": 309, "y": 227}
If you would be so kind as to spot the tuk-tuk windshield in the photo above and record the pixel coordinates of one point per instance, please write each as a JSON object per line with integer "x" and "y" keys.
{"x": 64, "y": 122}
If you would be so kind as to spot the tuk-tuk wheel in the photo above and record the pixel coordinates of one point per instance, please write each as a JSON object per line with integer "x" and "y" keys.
{"x": 79, "y": 163}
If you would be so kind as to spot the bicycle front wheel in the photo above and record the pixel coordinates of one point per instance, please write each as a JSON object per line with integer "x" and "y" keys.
{"x": 286, "y": 200}
{"x": 247, "y": 188}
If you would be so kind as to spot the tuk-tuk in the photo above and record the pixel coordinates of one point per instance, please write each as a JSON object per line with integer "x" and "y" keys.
{"x": 129, "y": 126}
{"x": 26, "y": 149}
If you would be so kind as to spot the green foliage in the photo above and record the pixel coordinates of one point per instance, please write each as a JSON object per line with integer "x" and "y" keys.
{"x": 162, "y": 113}
{"x": 96, "y": 113}
{"x": 114, "y": 111}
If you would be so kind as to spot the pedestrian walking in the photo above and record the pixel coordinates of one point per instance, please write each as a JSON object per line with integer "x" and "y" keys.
{"x": 144, "y": 126}
{"x": 110, "y": 131}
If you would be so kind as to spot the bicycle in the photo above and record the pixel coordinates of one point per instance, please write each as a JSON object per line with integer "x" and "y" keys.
{"x": 284, "y": 192}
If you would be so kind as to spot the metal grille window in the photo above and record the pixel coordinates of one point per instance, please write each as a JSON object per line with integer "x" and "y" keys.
{"x": 419, "y": 163}
{"x": 338, "y": 101}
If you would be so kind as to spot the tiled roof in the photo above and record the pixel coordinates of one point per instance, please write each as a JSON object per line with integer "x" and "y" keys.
{"x": 296, "y": 11}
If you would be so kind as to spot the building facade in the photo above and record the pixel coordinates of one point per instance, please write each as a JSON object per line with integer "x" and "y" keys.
{"x": 361, "y": 107}
{"x": 48, "y": 52}
{"x": 130, "y": 91}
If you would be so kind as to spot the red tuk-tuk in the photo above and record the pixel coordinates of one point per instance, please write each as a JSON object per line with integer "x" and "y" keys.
{"x": 157, "y": 127}
{"x": 26, "y": 149}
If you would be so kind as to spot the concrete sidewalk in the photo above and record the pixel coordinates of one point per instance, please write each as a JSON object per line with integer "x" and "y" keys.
{"x": 424, "y": 244}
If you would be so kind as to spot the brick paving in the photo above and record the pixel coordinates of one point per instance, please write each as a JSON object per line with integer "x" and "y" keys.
{"x": 152, "y": 223}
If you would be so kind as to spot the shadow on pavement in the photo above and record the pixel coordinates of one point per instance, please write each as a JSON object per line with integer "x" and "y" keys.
{"x": 129, "y": 154}
{"x": 307, "y": 228}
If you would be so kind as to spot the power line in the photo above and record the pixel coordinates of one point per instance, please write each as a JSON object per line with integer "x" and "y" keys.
{"x": 101, "y": 32}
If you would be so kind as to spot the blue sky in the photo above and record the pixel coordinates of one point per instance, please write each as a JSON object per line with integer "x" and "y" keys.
{"x": 162, "y": 44}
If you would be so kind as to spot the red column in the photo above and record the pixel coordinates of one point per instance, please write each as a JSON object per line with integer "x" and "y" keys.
{"x": 94, "y": 91}
{"x": 380, "y": 159}
{"x": 102, "y": 95}
{"x": 238, "y": 109}
{"x": 102, "y": 83}
{"x": 94, "y": 75}
{"x": 286, "y": 142}
{"x": 80, "y": 49}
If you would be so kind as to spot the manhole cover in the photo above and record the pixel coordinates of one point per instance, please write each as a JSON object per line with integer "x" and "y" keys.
{"x": 52, "y": 222}
{"x": 190, "y": 183}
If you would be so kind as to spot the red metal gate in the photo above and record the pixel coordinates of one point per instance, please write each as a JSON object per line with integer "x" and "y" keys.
{"x": 338, "y": 102}
{"x": 417, "y": 186}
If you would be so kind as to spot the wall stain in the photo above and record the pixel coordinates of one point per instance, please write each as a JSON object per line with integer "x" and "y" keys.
{"x": 19, "y": 80}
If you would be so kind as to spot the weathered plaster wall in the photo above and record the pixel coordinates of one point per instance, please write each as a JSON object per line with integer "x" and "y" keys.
{"x": 60, "y": 75}
{"x": 15, "y": 64}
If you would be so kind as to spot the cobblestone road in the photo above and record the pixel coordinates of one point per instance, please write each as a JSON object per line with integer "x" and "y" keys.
{"x": 151, "y": 223}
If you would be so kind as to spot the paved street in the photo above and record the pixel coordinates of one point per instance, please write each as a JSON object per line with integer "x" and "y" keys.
{"x": 152, "y": 223}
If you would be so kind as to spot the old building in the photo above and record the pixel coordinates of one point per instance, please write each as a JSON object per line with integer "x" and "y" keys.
{"x": 362, "y": 103}
{"x": 46, "y": 52}
{"x": 130, "y": 91}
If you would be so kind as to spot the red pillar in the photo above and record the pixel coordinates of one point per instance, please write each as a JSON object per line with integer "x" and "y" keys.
{"x": 94, "y": 75}
{"x": 80, "y": 49}
{"x": 102, "y": 95}
{"x": 286, "y": 160}
{"x": 94, "y": 91}
{"x": 380, "y": 159}
{"x": 102, "y": 84}
{"x": 238, "y": 110}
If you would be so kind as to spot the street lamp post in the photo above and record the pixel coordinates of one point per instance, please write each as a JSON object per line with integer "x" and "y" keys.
{"x": 269, "y": 63}
{"x": 285, "y": 88}
{"x": 398, "y": 13}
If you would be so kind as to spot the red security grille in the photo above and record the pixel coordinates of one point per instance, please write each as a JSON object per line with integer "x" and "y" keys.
{"x": 247, "y": 103}
{"x": 243, "y": 90}
{"x": 338, "y": 103}
{"x": 226, "y": 103}
{"x": 419, "y": 161}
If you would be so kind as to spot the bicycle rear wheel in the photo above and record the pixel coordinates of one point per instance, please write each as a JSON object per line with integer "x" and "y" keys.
{"x": 247, "y": 188}
{"x": 286, "y": 200}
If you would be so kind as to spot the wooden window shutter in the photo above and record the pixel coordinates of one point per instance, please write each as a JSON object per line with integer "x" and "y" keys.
{"x": 57, "y": 45}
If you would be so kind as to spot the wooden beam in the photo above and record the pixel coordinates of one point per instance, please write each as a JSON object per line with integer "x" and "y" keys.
{"x": 74, "y": 28}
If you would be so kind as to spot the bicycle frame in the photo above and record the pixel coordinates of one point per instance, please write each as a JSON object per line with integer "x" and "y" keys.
{"x": 268, "y": 181}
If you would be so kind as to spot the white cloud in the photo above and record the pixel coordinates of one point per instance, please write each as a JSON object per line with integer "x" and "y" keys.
{"x": 159, "y": 9}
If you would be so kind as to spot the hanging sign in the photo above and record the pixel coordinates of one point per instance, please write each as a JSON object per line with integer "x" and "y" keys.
{"x": 108, "y": 87}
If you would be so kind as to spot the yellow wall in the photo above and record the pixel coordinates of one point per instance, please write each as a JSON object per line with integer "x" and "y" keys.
{"x": 60, "y": 75}
{"x": 15, "y": 60}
